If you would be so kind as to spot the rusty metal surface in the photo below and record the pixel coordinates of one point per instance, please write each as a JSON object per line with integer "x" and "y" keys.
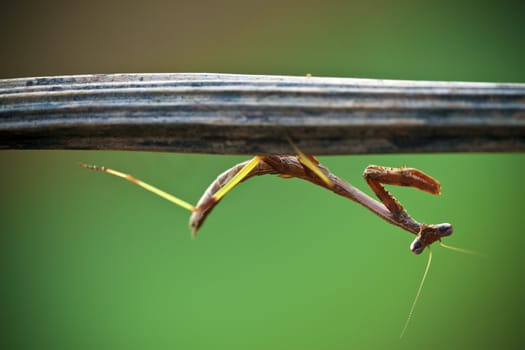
{"x": 249, "y": 114}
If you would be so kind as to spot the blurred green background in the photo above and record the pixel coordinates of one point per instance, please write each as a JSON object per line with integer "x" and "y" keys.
{"x": 89, "y": 261}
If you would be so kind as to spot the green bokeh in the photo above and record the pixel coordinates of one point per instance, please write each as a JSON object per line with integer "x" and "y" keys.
{"x": 90, "y": 261}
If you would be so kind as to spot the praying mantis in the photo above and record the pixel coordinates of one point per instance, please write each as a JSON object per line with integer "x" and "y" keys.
{"x": 308, "y": 168}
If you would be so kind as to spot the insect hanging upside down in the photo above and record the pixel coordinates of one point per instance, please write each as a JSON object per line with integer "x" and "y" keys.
{"x": 307, "y": 167}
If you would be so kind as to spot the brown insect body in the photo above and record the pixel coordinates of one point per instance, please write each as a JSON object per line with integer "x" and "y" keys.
{"x": 292, "y": 166}
{"x": 307, "y": 167}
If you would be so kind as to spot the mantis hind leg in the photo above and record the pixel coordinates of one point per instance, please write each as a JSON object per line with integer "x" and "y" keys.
{"x": 234, "y": 181}
{"x": 202, "y": 209}
{"x": 175, "y": 200}
{"x": 218, "y": 189}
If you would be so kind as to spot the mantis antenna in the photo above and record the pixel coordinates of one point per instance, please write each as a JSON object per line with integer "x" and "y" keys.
{"x": 417, "y": 294}
{"x": 459, "y": 250}
{"x": 456, "y": 249}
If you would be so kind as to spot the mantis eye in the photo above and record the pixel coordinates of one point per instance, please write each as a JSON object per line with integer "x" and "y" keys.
{"x": 417, "y": 247}
{"x": 444, "y": 229}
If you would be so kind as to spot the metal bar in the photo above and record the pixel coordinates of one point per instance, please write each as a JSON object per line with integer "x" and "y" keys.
{"x": 250, "y": 114}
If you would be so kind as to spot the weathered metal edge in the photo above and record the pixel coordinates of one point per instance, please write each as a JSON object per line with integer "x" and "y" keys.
{"x": 245, "y": 114}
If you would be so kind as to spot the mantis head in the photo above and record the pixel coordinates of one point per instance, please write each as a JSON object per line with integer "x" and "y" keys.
{"x": 428, "y": 234}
